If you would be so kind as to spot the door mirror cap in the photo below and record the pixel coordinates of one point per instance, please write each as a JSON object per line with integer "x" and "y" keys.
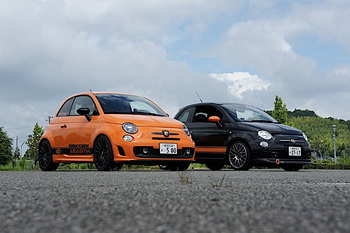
{"x": 215, "y": 119}
{"x": 85, "y": 112}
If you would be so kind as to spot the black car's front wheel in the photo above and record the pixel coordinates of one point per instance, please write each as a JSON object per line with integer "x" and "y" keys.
{"x": 103, "y": 154}
{"x": 238, "y": 155}
{"x": 45, "y": 157}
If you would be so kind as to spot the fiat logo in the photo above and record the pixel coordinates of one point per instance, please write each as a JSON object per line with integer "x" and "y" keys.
{"x": 166, "y": 133}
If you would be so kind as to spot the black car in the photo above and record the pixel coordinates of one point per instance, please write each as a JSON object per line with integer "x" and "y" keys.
{"x": 243, "y": 136}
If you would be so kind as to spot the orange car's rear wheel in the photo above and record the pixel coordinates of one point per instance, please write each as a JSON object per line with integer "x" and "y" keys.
{"x": 103, "y": 154}
{"x": 45, "y": 157}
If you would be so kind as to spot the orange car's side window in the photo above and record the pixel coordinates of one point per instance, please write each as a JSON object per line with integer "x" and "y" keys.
{"x": 83, "y": 102}
{"x": 64, "y": 111}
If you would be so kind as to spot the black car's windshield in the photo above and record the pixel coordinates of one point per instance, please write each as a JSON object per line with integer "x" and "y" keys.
{"x": 247, "y": 113}
{"x": 128, "y": 104}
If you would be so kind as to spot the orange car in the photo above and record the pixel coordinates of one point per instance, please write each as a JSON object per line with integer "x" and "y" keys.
{"x": 111, "y": 129}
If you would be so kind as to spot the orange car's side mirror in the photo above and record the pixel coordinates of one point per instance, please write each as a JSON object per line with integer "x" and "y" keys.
{"x": 85, "y": 112}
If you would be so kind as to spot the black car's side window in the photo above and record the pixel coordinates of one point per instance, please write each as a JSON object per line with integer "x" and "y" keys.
{"x": 185, "y": 115}
{"x": 64, "y": 111}
{"x": 83, "y": 102}
{"x": 203, "y": 113}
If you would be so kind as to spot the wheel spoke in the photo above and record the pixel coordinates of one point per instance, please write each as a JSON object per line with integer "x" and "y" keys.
{"x": 238, "y": 155}
{"x": 103, "y": 155}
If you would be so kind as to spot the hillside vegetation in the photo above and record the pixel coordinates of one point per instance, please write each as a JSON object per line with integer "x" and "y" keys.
{"x": 319, "y": 132}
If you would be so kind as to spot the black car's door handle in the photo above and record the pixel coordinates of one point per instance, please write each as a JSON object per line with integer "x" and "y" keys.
{"x": 63, "y": 126}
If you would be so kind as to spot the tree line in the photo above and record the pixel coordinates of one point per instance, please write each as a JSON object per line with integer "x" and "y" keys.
{"x": 8, "y": 155}
{"x": 318, "y": 130}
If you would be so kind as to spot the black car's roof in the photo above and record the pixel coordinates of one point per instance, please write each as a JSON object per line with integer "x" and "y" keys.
{"x": 210, "y": 103}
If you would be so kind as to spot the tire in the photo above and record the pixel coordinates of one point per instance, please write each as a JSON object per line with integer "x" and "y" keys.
{"x": 215, "y": 166}
{"x": 239, "y": 157}
{"x": 103, "y": 154}
{"x": 45, "y": 157}
{"x": 292, "y": 167}
{"x": 178, "y": 166}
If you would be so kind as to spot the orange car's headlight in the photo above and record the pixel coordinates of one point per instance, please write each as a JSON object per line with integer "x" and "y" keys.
{"x": 186, "y": 130}
{"x": 130, "y": 128}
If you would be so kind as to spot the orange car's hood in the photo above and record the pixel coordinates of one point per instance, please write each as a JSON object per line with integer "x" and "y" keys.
{"x": 143, "y": 120}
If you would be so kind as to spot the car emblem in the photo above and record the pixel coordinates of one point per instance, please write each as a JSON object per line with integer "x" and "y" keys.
{"x": 166, "y": 133}
{"x": 292, "y": 140}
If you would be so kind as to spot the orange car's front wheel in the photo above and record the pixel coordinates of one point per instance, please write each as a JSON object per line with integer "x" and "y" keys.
{"x": 103, "y": 155}
{"x": 45, "y": 157}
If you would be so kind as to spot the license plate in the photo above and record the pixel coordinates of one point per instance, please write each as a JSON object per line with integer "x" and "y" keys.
{"x": 168, "y": 148}
{"x": 294, "y": 151}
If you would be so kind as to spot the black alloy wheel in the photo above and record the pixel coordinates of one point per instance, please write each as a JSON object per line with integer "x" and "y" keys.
{"x": 103, "y": 155}
{"x": 239, "y": 156}
{"x": 292, "y": 167}
{"x": 45, "y": 157}
{"x": 215, "y": 166}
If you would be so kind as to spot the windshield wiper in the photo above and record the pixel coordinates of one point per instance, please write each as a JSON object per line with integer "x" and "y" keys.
{"x": 263, "y": 121}
{"x": 146, "y": 113}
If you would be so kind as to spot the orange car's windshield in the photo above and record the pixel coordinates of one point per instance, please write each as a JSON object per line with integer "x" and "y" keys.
{"x": 128, "y": 104}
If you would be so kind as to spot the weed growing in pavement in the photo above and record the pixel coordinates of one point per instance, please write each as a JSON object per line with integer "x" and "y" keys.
{"x": 185, "y": 178}
{"x": 217, "y": 183}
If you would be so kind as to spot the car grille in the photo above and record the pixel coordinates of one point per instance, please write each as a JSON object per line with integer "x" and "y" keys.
{"x": 165, "y": 138}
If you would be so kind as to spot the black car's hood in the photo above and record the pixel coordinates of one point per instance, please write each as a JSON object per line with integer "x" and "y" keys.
{"x": 273, "y": 128}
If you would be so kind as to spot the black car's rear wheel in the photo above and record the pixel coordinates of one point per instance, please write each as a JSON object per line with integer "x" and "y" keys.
{"x": 239, "y": 156}
{"x": 45, "y": 157}
{"x": 292, "y": 167}
{"x": 215, "y": 166}
{"x": 103, "y": 154}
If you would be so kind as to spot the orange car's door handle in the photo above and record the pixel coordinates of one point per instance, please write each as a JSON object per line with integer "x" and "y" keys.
{"x": 63, "y": 126}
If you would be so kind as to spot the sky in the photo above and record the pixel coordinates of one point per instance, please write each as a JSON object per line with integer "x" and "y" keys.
{"x": 242, "y": 51}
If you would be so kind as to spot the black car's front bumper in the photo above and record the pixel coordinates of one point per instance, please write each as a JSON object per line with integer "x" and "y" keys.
{"x": 277, "y": 152}
{"x": 278, "y": 161}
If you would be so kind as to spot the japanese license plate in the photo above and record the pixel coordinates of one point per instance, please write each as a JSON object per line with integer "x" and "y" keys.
{"x": 168, "y": 148}
{"x": 294, "y": 151}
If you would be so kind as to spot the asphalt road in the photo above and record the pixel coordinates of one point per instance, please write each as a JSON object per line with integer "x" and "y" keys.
{"x": 162, "y": 201}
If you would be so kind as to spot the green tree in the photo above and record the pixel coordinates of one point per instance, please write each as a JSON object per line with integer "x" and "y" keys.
{"x": 17, "y": 153}
{"x": 33, "y": 142}
{"x": 280, "y": 110}
{"x": 5, "y": 147}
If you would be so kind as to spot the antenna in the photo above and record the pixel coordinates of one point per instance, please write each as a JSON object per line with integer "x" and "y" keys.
{"x": 199, "y": 97}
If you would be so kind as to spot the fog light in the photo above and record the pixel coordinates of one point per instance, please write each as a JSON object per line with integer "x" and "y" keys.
{"x": 264, "y": 144}
{"x": 128, "y": 138}
{"x": 188, "y": 151}
{"x": 145, "y": 150}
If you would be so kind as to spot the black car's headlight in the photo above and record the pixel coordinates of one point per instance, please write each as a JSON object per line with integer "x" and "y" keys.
{"x": 186, "y": 130}
{"x": 265, "y": 134}
{"x": 305, "y": 137}
{"x": 130, "y": 128}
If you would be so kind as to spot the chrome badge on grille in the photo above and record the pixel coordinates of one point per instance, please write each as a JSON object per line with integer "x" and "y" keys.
{"x": 165, "y": 133}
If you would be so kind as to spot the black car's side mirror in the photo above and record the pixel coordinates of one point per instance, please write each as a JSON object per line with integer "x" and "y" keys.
{"x": 85, "y": 112}
{"x": 216, "y": 120}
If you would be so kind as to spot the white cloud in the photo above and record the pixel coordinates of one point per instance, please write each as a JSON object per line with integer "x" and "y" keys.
{"x": 240, "y": 82}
